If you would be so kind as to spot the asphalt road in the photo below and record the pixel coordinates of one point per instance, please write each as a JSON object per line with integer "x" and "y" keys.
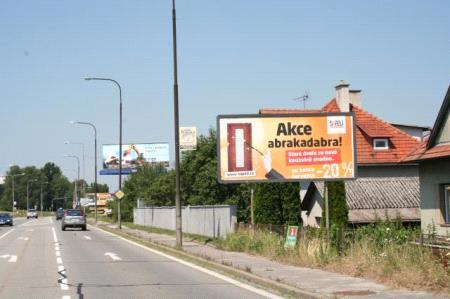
{"x": 38, "y": 260}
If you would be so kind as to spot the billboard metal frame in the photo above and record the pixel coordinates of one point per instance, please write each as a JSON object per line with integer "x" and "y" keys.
{"x": 315, "y": 114}
{"x": 129, "y": 170}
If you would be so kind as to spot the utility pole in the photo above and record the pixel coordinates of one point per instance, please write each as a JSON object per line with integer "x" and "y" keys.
{"x": 179, "y": 236}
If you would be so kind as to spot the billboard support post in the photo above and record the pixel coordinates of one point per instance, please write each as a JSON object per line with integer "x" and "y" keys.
{"x": 252, "y": 218}
{"x": 327, "y": 210}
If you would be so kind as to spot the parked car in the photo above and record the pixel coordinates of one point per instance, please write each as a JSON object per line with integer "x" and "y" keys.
{"x": 6, "y": 219}
{"x": 59, "y": 213}
{"x": 32, "y": 213}
{"x": 73, "y": 218}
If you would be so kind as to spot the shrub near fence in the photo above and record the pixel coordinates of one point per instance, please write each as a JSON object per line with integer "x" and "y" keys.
{"x": 383, "y": 251}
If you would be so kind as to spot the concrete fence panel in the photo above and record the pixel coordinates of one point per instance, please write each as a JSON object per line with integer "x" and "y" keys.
{"x": 211, "y": 221}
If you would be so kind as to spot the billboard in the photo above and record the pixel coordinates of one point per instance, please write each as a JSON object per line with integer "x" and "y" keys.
{"x": 188, "y": 138}
{"x": 295, "y": 147}
{"x": 133, "y": 156}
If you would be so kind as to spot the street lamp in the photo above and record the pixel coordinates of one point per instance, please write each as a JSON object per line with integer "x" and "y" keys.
{"x": 42, "y": 183}
{"x": 28, "y": 191}
{"x": 120, "y": 140}
{"x": 95, "y": 160}
{"x": 13, "y": 197}
{"x": 78, "y": 175}
{"x": 84, "y": 163}
{"x": 179, "y": 235}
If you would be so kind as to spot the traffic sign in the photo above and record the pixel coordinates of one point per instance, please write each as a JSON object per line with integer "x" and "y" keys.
{"x": 119, "y": 194}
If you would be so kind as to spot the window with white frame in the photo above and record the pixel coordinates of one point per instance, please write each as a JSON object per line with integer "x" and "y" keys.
{"x": 380, "y": 143}
{"x": 446, "y": 205}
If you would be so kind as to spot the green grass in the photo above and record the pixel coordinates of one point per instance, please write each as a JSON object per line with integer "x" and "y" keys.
{"x": 396, "y": 263}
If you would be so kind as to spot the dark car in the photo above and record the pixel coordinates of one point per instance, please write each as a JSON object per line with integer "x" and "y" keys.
{"x": 59, "y": 213}
{"x": 73, "y": 218}
{"x": 6, "y": 219}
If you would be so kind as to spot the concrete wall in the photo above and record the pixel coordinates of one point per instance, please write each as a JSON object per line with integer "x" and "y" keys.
{"x": 210, "y": 221}
{"x": 433, "y": 173}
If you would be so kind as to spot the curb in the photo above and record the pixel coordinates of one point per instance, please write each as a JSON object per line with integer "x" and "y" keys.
{"x": 267, "y": 284}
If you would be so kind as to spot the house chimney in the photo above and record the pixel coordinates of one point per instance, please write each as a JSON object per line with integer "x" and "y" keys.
{"x": 343, "y": 96}
{"x": 355, "y": 97}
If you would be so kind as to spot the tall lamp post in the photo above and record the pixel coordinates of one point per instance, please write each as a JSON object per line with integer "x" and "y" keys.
{"x": 95, "y": 160}
{"x": 13, "y": 196}
{"x": 84, "y": 162}
{"x": 78, "y": 175}
{"x": 179, "y": 236}
{"x": 42, "y": 183}
{"x": 119, "y": 216}
{"x": 28, "y": 191}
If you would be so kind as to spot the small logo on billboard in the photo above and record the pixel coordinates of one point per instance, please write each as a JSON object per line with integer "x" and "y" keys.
{"x": 336, "y": 125}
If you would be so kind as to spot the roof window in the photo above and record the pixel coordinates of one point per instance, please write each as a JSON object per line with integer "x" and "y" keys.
{"x": 380, "y": 143}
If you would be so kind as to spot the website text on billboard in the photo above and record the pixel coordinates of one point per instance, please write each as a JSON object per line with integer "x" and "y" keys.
{"x": 133, "y": 156}
{"x": 286, "y": 147}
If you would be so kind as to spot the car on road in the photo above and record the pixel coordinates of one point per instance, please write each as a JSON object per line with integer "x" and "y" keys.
{"x": 6, "y": 219}
{"x": 59, "y": 213}
{"x": 73, "y": 218}
{"x": 32, "y": 213}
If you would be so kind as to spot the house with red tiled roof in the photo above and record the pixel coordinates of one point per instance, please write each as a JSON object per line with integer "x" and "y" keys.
{"x": 433, "y": 157}
{"x": 385, "y": 187}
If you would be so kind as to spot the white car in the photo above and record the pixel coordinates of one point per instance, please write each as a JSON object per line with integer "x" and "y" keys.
{"x": 32, "y": 213}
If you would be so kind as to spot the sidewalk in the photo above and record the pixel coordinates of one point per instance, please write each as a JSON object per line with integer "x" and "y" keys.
{"x": 319, "y": 283}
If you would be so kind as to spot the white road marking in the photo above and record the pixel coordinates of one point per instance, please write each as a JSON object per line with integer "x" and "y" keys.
{"x": 5, "y": 234}
{"x": 65, "y": 297}
{"x": 63, "y": 282}
{"x": 212, "y": 273}
{"x": 87, "y": 237}
{"x": 30, "y": 230}
{"x": 113, "y": 256}
{"x": 54, "y": 235}
{"x": 12, "y": 258}
{"x": 23, "y": 238}
{"x": 64, "y": 285}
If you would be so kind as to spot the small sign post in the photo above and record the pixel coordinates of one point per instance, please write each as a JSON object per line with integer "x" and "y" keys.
{"x": 291, "y": 237}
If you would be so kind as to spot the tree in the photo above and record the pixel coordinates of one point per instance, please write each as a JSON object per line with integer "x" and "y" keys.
{"x": 199, "y": 175}
{"x": 337, "y": 204}
{"x": 101, "y": 188}
{"x": 277, "y": 203}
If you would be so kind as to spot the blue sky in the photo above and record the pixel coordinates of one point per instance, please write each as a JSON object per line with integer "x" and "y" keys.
{"x": 234, "y": 57}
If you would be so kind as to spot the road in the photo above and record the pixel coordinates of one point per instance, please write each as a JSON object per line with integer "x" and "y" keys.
{"x": 38, "y": 260}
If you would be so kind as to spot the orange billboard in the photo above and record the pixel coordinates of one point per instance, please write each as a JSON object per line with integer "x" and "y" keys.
{"x": 292, "y": 147}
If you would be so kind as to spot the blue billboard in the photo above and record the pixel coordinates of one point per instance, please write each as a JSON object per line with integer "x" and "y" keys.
{"x": 133, "y": 156}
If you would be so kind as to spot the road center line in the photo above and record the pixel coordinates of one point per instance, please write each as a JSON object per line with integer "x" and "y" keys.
{"x": 5, "y": 234}
{"x": 54, "y": 235}
{"x": 87, "y": 237}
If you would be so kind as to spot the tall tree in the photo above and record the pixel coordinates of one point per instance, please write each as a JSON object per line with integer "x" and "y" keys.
{"x": 337, "y": 204}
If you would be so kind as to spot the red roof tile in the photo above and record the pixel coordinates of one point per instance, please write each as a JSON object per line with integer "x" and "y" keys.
{"x": 368, "y": 127}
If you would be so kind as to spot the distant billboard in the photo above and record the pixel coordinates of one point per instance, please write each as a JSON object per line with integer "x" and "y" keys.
{"x": 264, "y": 148}
{"x": 188, "y": 138}
{"x": 133, "y": 156}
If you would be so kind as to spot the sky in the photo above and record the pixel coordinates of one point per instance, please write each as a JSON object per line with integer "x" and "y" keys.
{"x": 234, "y": 57}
